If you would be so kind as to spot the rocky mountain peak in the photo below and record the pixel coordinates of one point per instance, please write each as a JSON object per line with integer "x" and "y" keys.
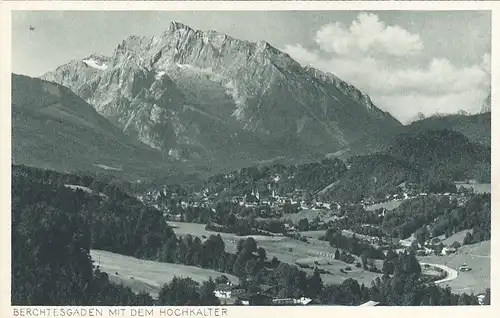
{"x": 176, "y": 25}
{"x": 211, "y": 93}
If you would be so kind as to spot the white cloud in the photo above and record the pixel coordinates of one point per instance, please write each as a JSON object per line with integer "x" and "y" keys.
{"x": 404, "y": 89}
{"x": 367, "y": 34}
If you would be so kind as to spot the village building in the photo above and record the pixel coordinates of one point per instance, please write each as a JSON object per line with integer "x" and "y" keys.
{"x": 448, "y": 250}
{"x": 226, "y": 291}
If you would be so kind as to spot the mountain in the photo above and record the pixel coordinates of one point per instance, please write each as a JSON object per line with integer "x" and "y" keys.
{"x": 55, "y": 129}
{"x": 204, "y": 95}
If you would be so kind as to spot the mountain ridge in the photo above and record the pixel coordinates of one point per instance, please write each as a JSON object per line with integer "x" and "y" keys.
{"x": 52, "y": 128}
{"x": 151, "y": 86}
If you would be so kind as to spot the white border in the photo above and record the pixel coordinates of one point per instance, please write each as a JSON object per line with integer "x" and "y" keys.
{"x": 315, "y": 311}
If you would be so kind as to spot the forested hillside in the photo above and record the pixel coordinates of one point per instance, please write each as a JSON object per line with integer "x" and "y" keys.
{"x": 55, "y": 226}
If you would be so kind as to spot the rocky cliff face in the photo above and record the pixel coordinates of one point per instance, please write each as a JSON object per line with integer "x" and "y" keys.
{"x": 196, "y": 94}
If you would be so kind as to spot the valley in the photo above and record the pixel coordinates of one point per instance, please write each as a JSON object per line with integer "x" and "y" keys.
{"x": 194, "y": 168}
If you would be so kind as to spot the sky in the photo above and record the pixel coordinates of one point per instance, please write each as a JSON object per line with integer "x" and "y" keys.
{"x": 408, "y": 62}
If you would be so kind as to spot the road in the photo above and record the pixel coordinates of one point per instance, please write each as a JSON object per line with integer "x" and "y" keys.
{"x": 451, "y": 274}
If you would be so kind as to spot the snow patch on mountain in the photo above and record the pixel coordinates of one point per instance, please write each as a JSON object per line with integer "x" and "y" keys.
{"x": 96, "y": 64}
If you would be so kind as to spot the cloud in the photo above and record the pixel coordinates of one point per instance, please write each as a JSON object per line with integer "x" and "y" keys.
{"x": 367, "y": 34}
{"x": 404, "y": 88}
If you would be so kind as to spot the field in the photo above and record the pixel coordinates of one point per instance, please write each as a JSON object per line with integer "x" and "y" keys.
{"x": 290, "y": 251}
{"x": 459, "y": 237}
{"x": 310, "y": 215}
{"x": 141, "y": 275}
{"x": 389, "y": 205}
{"x": 476, "y": 256}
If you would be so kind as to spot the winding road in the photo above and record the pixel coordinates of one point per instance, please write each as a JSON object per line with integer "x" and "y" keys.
{"x": 451, "y": 274}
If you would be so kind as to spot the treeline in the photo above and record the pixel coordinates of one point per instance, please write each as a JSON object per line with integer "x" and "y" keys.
{"x": 51, "y": 266}
{"x": 352, "y": 244}
{"x": 475, "y": 214}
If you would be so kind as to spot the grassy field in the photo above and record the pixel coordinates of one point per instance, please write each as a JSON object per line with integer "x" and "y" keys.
{"x": 141, "y": 275}
{"x": 389, "y": 205}
{"x": 459, "y": 237}
{"x": 310, "y": 215}
{"x": 476, "y": 256}
{"x": 313, "y": 234}
{"x": 290, "y": 251}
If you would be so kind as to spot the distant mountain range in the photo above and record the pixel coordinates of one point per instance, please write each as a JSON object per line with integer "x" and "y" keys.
{"x": 204, "y": 95}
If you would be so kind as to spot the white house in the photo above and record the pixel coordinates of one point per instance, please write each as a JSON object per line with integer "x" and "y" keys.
{"x": 226, "y": 291}
{"x": 448, "y": 250}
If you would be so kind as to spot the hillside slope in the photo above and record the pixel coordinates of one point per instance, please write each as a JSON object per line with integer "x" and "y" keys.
{"x": 53, "y": 128}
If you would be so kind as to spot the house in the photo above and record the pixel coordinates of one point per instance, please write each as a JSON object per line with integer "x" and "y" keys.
{"x": 448, "y": 250}
{"x": 226, "y": 291}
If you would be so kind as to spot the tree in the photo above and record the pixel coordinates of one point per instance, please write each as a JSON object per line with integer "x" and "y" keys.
{"x": 303, "y": 224}
{"x": 422, "y": 235}
{"x": 487, "y": 297}
{"x": 455, "y": 244}
{"x": 262, "y": 254}
{"x": 467, "y": 239}
{"x": 249, "y": 246}
{"x": 222, "y": 279}
{"x": 179, "y": 292}
{"x": 364, "y": 259}
{"x": 337, "y": 254}
{"x": 207, "y": 296}
{"x": 315, "y": 284}
{"x": 239, "y": 246}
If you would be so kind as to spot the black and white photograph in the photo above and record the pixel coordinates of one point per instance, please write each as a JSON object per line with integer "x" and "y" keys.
{"x": 250, "y": 157}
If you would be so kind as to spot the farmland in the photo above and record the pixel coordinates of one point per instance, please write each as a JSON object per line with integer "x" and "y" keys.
{"x": 315, "y": 253}
{"x": 476, "y": 256}
{"x": 389, "y": 205}
{"x": 149, "y": 276}
{"x": 310, "y": 215}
